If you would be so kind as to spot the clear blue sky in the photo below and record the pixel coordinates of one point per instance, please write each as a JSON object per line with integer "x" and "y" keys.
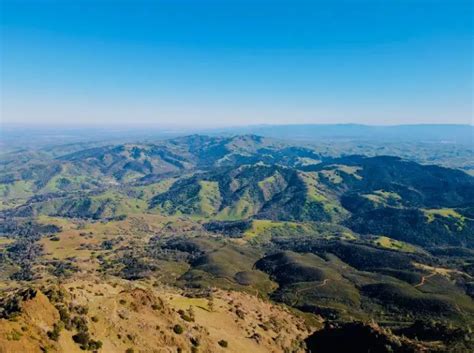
{"x": 228, "y": 62}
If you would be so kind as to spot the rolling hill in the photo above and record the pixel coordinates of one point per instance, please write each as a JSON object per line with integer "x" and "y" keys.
{"x": 379, "y": 245}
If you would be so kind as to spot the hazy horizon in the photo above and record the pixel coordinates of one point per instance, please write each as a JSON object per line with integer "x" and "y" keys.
{"x": 211, "y": 64}
{"x": 121, "y": 125}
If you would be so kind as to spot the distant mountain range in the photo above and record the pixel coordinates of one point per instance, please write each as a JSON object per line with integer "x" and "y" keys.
{"x": 463, "y": 134}
{"x": 247, "y": 176}
{"x": 19, "y": 135}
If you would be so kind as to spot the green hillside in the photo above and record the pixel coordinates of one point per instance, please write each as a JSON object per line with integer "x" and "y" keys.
{"x": 380, "y": 244}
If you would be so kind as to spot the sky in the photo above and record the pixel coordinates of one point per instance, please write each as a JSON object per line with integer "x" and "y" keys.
{"x": 229, "y": 62}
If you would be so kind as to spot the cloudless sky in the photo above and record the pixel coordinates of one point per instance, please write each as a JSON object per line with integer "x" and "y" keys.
{"x": 230, "y": 62}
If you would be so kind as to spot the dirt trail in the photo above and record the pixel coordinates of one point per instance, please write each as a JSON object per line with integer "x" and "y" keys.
{"x": 324, "y": 283}
{"x": 298, "y": 292}
{"x": 423, "y": 279}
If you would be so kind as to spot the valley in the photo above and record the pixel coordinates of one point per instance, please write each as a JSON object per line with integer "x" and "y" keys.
{"x": 232, "y": 244}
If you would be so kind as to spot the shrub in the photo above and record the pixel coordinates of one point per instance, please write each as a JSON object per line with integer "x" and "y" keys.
{"x": 189, "y": 317}
{"x": 81, "y": 309}
{"x": 80, "y": 323}
{"x": 240, "y": 314}
{"x": 82, "y": 339}
{"x": 55, "y": 332}
{"x": 64, "y": 316}
{"x": 195, "y": 341}
{"x": 94, "y": 345}
{"x": 223, "y": 343}
{"x": 178, "y": 329}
